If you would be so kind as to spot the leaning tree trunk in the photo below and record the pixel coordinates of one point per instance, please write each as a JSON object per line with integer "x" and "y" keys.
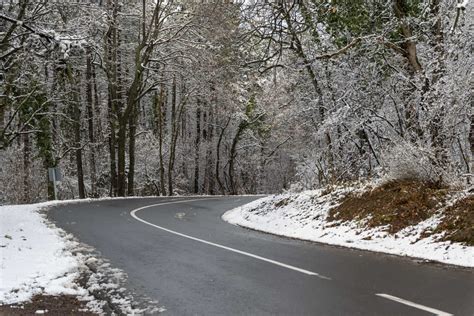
{"x": 409, "y": 51}
{"x": 218, "y": 159}
{"x": 233, "y": 154}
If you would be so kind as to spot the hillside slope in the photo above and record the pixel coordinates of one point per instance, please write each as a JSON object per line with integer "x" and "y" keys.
{"x": 401, "y": 218}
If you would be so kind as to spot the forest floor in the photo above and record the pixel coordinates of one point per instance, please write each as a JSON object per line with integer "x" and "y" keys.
{"x": 406, "y": 218}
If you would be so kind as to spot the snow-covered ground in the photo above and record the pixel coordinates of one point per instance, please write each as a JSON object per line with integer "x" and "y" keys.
{"x": 38, "y": 258}
{"x": 304, "y": 215}
{"x": 34, "y": 258}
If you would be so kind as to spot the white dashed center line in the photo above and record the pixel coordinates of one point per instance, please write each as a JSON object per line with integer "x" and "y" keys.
{"x": 415, "y": 305}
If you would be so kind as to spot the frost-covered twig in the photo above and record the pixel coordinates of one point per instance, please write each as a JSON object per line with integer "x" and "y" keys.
{"x": 26, "y": 26}
{"x": 461, "y": 6}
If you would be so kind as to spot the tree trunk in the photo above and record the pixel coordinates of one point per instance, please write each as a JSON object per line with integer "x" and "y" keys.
{"x": 98, "y": 126}
{"x": 79, "y": 165}
{"x": 208, "y": 176}
{"x": 173, "y": 138}
{"x": 76, "y": 125}
{"x": 409, "y": 51}
{"x": 197, "y": 147}
{"x": 113, "y": 161}
{"x": 26, "y": 168}
{"x": 218, "y": 159}
{"x": 471, "y": 142}
{"x": 330, "y": 155}
{"x": 114, "y": 102}
{"x": 159, "y": 106}
{"x": 78, "y": 148}
{"x": 90, "y": 123}
{"x": 400, "y": 8}
{"x": 3, "y": 107}
{"x": 131, "y": 150}
{"x": 233, "y": 154}
{"x": 123, "y": 119}
{"x": 121, "y": 149}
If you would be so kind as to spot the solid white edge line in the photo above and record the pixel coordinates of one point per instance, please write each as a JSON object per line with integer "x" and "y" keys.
{"x": 415, "y": 305}
{"x": 133, "y": 214}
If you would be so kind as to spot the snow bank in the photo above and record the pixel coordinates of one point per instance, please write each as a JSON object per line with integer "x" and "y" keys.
{"x": 33, "y": 256}
{"x": 304, "y": 216}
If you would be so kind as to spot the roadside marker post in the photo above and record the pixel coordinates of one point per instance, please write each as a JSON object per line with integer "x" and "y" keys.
{"x": 54, "y": 176}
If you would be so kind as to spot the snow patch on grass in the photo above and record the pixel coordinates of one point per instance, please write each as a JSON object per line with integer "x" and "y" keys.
{"x": 304, "y": 216}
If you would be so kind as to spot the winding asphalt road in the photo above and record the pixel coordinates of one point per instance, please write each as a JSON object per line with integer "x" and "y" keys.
{"x": 182, "y": 254}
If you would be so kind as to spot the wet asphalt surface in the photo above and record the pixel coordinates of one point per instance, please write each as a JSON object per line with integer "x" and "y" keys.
{"x": 189, "y": 277}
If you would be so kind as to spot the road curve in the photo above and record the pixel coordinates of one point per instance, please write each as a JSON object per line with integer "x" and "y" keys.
{"x": 180, "y": 252}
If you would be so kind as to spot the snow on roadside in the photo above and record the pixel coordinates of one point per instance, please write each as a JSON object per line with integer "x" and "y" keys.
{"x": 303, "y": 216}
{"x": 36, "y": 257}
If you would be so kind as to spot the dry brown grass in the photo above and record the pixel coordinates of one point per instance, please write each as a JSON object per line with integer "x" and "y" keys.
{"x": 458, "y": 222}
{"x": 56, "y": 305}
{"x": 398, "y": 204}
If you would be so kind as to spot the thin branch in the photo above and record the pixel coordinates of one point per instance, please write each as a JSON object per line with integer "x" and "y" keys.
{"x": 340, "y": 51}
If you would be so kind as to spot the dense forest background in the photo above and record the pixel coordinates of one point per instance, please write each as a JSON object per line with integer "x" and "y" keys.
{"x": 212, "y": 97}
